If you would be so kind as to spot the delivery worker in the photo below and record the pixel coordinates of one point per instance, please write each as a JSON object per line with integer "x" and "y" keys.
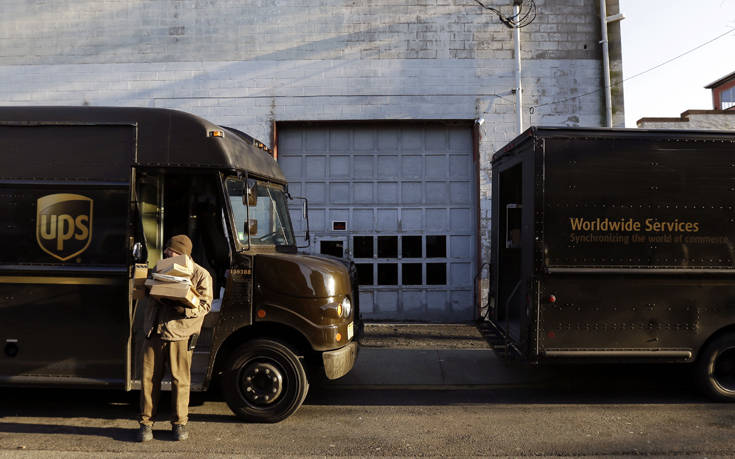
{"x": 169, "y": 328}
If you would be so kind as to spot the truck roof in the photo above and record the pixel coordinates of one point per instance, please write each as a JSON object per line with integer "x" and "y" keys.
{"x": 616, "y": 133}
{"x": 168, "y": 138}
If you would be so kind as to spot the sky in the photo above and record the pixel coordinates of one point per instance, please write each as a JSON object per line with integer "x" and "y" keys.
{"x": 655, "y": 31}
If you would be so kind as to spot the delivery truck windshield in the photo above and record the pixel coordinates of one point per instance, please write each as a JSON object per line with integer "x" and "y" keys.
{"x": 260, "y": 213}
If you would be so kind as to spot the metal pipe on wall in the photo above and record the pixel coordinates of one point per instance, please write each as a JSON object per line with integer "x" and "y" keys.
{"x": 606, "y": 64}
{"x": 518, "y": 88}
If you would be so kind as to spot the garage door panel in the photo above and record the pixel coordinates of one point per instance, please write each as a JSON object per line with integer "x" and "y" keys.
{"x": 461, "y": 220}
{"x": 437, "y": 167}
{"x": 339, "y": 167}
{"x": 316, "y": 167}
{"x": 388, "y": 167}
{"x": 412, "y": 219}
{"x": 436, "y": 220}
{"x": 459, "y": 141}
{"x": 291, "y": 166}
{"x": 362, "y": 193}
{"x": 387, "y": 220}
{"x": 340, "y": 139}
{"x": 437, "y": 141}
{"x": 387, "y": 139}
{"x": 412, "y": 167}
{"x": 459, "y": 168}
{"x": 316, "y": 193}
{"x": 339, "y": 193}
{"x": 412, "y": 193}
{"x": 316, "y": 140}
{"x": 364, "y": 140}
{"x": 363, "y": 167}
{"x": 460, "y": 247}
{"x": 403, "y": 195}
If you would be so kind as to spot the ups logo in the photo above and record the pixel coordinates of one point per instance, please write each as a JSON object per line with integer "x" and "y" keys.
{"x": 64, "y": 224}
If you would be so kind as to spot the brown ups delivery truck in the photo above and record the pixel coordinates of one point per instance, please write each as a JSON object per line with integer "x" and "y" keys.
{"x": 86, "y": 193}
{"x": 617, "y": 245}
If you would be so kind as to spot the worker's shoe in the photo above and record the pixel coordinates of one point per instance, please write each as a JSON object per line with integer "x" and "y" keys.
{"x": 145, "y": 433}
{"x": 180, "y": 432}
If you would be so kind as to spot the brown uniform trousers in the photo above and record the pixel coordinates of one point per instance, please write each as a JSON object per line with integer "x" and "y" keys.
{"x": 168, "y": 333}
{"x": 155, "y": 354}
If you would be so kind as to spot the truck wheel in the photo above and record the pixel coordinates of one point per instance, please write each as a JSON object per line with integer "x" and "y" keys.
{"x": 716, "y": 369}
{"x": 264, "y": 381}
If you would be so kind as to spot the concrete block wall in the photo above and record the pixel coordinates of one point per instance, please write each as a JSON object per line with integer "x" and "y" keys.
{"x": 247, "y": 64}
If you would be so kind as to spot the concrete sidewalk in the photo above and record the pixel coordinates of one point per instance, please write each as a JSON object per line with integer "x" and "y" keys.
{"x": 433, "y": 356}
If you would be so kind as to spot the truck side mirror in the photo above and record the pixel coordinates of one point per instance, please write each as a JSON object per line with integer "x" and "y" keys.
{"x": 139, "y": 252}
{"x": 251, "y": 227}
{"x": 305, "y": 214}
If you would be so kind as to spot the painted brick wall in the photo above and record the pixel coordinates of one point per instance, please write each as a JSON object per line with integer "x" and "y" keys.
{"x": 721, "y": 121}
{"x": 247, "y": 63}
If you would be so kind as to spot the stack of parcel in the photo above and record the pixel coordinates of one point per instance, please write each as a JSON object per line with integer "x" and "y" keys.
{"x": 171, "y": 280}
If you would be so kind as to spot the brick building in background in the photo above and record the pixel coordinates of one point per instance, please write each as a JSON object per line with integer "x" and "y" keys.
{"x": 722, "y": 116}
{"x": 370, "y": 104}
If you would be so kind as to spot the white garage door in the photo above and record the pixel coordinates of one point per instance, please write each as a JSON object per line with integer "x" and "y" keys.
{"x": 400, "y": 200}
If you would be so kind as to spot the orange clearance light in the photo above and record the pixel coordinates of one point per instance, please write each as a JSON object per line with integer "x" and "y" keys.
{"x": 339, "y": 337}
{"x": 339, "y": 310}
{"x": 552, "y": 298}
{"x": 261, "y": 313}
{"x": 216, "y": 133}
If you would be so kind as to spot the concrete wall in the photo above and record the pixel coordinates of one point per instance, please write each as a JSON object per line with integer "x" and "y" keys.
{"x": 248, "y": 63}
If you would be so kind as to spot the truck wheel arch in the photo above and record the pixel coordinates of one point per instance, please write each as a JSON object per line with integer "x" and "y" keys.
{"x": 269, "y": 330}
{"x": 711, "y": 381}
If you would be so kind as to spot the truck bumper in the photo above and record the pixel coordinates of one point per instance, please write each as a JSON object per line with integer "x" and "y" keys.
{"x": 339, "y": 362}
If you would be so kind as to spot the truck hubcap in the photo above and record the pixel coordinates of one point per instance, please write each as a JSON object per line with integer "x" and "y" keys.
{"x": 724, "y": 369}
{"x": 261, "y": 383}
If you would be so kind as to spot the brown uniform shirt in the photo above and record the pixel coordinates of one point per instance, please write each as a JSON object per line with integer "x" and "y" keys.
{"x": 179, "y": 323}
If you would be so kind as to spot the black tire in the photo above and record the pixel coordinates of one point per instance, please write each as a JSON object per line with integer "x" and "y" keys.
{"x": 716, "y": 369}
{"x": 264, "y": 381}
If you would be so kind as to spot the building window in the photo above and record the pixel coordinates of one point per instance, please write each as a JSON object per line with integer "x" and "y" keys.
{"x": 727, "y": 98}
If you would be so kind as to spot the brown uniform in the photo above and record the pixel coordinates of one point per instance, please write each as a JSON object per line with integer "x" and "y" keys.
{"x": 167, "y": 329}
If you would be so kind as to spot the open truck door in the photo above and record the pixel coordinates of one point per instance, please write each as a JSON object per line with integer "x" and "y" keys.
{"x": 513, "y": 245}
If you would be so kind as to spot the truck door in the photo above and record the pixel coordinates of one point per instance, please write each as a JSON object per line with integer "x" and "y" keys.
{"x": 174, "y": 202}
{"x": 512, "y": 245}
{"x": 64, "y": 267}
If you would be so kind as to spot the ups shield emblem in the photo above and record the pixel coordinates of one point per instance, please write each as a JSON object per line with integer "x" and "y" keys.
{"x": 64, "y": 224}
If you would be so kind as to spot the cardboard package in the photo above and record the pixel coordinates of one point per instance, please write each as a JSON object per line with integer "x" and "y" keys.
{"x": 177, "y": 291}
{"x": 140, "y": 274}
{"x": 180, "y": 265}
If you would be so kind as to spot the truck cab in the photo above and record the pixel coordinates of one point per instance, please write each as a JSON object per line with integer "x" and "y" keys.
{"x": 135, "y": 177}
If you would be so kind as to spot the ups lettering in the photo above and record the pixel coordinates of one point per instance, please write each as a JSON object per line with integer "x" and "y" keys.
{"x": 63, "y": 227}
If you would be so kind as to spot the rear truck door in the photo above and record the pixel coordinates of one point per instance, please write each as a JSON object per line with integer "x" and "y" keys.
{"x": 513, "y": 246}
{"x": 64, "y": 267}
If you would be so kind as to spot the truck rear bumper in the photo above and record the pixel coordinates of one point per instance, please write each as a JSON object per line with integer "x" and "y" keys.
{"x": 339, "y": 362}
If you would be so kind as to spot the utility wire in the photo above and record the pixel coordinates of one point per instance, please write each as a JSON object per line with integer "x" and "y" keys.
{"x": 618, "y": 83}
{"x": 513, "y": 22}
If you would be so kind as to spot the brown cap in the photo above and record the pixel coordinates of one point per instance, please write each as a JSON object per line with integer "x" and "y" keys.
{"x": 180, "y": 243}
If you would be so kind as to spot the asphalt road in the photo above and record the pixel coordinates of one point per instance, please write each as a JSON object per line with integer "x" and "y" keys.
{"x": 585, "y": 411}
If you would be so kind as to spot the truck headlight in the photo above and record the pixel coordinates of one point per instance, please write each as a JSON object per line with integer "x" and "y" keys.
{"x": 346, "y": 307}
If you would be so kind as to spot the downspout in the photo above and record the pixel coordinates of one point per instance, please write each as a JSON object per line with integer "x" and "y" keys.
{"x": 517, "y": 45}
{"x": 606, "y": 64}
